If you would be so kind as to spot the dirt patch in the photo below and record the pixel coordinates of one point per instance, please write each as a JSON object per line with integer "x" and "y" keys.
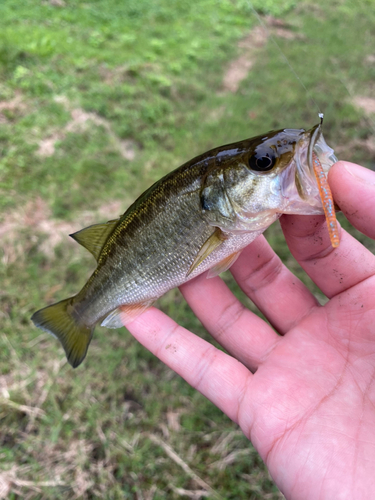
{"x": 80, "y": 121}
{"x": 113, "y": 76}
{"x": 57, "y": 3}
{"x": 35, "y": 218}
{"x": 280, "y": 29}
{"x": 348, "y": 149}
{"x": 249, "y": 46}
{"x": 47, "y": 146}
{"x": 14, "y": 105}
{"x": 369, "y": 145}
{"x": 240, "y": 67}
{"x": 367, "y": 104}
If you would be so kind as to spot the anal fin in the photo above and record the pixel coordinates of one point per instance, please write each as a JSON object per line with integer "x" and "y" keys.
{"x": 223, "y": 265}
{"x": 214, "y": 241}
{"x": 124, "y": 314}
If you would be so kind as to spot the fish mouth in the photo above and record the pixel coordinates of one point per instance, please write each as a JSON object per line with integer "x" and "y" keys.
{"x": 315, "y": 134}
{"x": 312, "y": 141}
{"x": 319, "y": 146}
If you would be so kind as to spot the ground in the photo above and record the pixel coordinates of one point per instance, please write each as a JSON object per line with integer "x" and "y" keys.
{"x": 91, "y": 114}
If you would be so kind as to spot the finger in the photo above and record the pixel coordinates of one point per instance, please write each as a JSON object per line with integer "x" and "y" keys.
{"x": 274, "y": 289}
{"x": 333, "y": 270}
{"x": 346, "y": 181}
{"x": 278, "y": 294}
{"x": 218, "y": 376}
{"x": 242, "y": 333}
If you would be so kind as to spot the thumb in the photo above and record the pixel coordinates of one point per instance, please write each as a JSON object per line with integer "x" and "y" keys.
{"x": 353, "y": 189}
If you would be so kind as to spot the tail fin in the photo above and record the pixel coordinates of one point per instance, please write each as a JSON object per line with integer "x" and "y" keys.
{"x": 74, "y": 337}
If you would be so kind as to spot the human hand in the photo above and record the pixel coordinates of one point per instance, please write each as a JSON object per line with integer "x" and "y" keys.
{"x": 306, "y": 397}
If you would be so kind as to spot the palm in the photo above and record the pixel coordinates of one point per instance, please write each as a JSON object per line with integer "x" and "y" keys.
{"x": 305, "y": 397}
{"x": 314, "y": 400}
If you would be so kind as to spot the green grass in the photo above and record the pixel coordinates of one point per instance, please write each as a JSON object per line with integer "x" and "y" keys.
{"x": 125, "y": 92}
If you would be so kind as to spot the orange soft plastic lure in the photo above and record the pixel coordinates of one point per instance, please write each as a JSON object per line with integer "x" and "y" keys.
{"x": 327, "y": 201}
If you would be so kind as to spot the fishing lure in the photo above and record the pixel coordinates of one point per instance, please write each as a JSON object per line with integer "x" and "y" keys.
{"x": 327, "y": 201}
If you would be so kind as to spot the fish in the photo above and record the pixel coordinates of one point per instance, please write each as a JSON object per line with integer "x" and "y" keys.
{"x": 196, "y": 218}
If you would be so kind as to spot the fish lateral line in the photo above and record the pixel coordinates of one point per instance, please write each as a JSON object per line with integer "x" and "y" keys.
{"x": 327, "y": 201}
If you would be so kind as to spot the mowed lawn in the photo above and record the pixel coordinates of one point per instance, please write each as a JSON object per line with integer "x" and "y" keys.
{"x": 98, "y": 100}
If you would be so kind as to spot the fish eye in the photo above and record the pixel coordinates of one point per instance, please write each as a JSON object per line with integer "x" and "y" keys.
{"x": 262, "y": 162}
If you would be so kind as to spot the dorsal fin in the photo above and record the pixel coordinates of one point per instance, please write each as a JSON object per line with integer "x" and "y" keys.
{"x": 94, "y": 237}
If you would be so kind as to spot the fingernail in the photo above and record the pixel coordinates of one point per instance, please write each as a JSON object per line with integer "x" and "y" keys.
{"x": 363, "y": 174}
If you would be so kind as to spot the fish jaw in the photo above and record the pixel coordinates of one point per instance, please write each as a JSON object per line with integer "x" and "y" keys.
{"x": 298, "y": 183}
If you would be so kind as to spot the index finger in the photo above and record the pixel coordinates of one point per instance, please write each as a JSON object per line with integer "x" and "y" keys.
{"x": 217, "y": 375}
{"x": 336, "y": 270}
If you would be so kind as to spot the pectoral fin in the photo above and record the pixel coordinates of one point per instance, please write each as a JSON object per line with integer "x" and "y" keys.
{"x": 214, "y": 241}
{"x": 223, "y": 265}
{"x": 93, "y": 238}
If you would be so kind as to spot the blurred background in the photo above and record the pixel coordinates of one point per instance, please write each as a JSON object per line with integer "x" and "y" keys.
{"x": 99, "y": 99}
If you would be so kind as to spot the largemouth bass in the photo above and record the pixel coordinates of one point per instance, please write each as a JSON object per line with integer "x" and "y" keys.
{"x": 197, "y": 218}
